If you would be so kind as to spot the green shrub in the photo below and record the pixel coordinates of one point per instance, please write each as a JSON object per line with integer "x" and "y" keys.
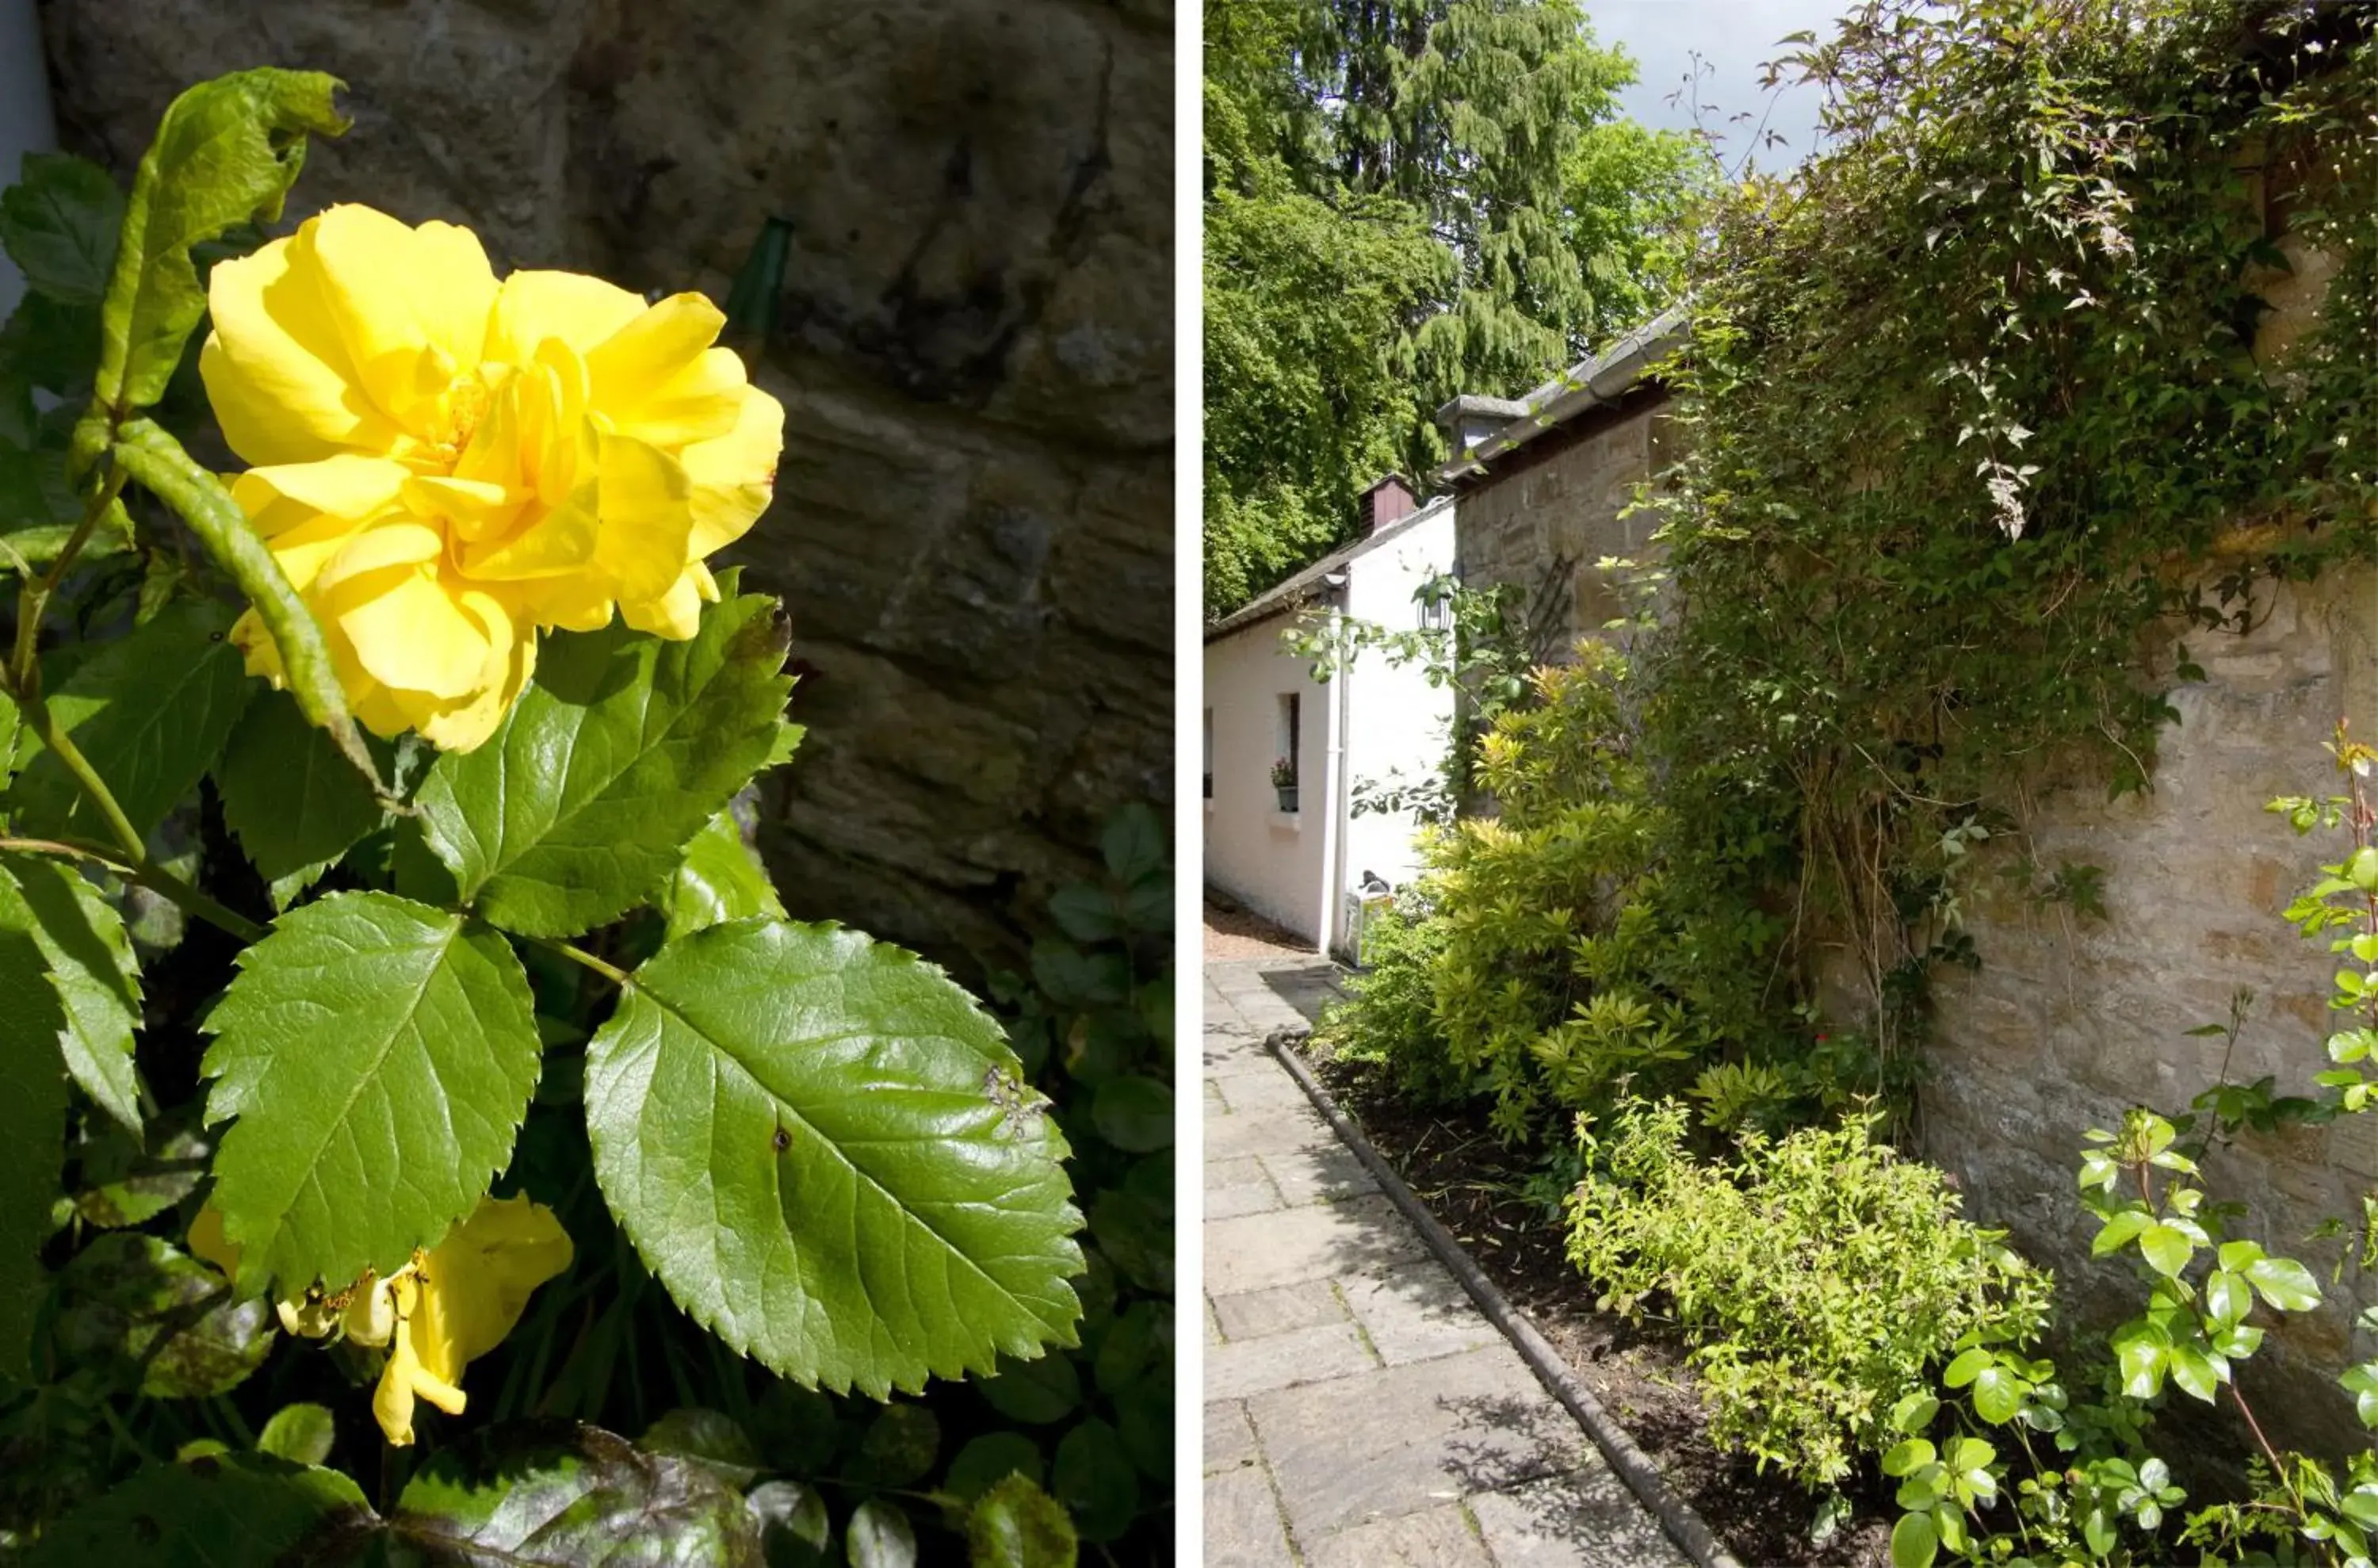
{"x": 1821, "y": 1278}
{"x": 1388, "y": 1019}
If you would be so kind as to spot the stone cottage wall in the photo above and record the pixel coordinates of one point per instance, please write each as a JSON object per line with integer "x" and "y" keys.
{"x": 1542, "y": 521}
{"x": 2069, "y": 1021}
{"x": 973, "y": 524}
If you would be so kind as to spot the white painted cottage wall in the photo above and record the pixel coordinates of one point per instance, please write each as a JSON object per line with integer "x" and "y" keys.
{"x": 1397, "y": 721}
{"x": 1268, "y": 860}
{"x": 1393, "y": 720}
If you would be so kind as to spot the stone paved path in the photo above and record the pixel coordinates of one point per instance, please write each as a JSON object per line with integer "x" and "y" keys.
{"x": 1360, "y": 1411}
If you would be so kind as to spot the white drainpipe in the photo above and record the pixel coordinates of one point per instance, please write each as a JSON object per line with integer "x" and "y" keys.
{"x": 1333, "y": 787}
{"x": 25, "y": 123}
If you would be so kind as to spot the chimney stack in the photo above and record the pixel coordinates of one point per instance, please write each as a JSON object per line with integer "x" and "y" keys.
{"x": 1386, "y": 500}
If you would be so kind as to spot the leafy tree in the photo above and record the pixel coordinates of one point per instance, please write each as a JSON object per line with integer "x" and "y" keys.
{"x": 1404, "y": 201}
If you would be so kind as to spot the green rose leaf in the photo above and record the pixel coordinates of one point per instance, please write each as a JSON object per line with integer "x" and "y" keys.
{"x": 794, "y": 1525}
{"x": 1997, "y": 1395}
{"x": 301, "y": 1433}
{"x": 1035, "y": 1393}
{"x": 225, "y": 153}
{"x": 150, "y": 712}
{"x": 32, "y": 1137}
{"x": 1016, "y": 1525}
{"x": 1914, "y": 1542}
{"x": 989, "y": 1460}
{"x": 720, "y": 879}
{"x": 160, "y": 1319}
{"x": 2167, "y": 1249}
{"x": 1135, "y": 1114}
{"x": 852, "y": 1119}
{"x": 1094, "y": 1478}
{"x": 378, "y": 1056}
{"x": 880, "y": 1536}
{"x": 297, "y": 804}
{"x": 234, "y": 1508}
{"x": 708, "y": 1437}
{"x": 555, "y": 1495}
{"x": 580, "y": 805}
{"x": 82, "y": 943}
{"x": 2285, "y": 1283}
{"x": 59, "y": 224}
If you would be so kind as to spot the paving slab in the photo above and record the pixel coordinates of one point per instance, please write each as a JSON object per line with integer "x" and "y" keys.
{"x": 1243, "y": 1523}
{"x": 1230, "y": 1441}
{"x": 1417, "y": 1312}
{"x": 1274, "y": 1132}
{"x": 1316, "y": 1176}
{"x": 1357, "y": 1238}
{"x": 1255, "y": 1313}
{"x": 1360, "y": 1409}
{"x": 1240, "y": 1367}
{"x": 1587, "y": 1519}
{"x": 1246, "y": 1198}
{"x": 1253, "y": 1094}
{"x": 1406, "y": 1438}
{"x": 1233, "y": 1172}
{"x": 1435, "y": 1537}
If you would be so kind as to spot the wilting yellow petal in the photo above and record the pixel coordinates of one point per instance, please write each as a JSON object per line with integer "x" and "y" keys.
{"x": 276, "y": 370}
{"x": 406, "y": 1376}
{"x": 477, "y": 1282}
{"x": 734, "y": 476}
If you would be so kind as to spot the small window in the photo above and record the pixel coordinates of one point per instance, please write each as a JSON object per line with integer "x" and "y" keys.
{"x": 1291, "y": 736}
{"x": 1209, "y": 754}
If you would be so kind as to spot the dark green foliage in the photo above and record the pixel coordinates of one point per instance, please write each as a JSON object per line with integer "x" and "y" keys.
{"x": 1403, "y": 202}
{"x": 1389, "y": 1017}
{"x": 1974, "y": 412}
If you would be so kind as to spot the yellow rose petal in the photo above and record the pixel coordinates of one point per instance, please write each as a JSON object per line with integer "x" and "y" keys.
{"x": 658, "y": 378}
{"x": 410, "y": 305}
{"x": 532, "y": 307}
{"x": 734, "y": 476}
{"x": 277, "y": 370}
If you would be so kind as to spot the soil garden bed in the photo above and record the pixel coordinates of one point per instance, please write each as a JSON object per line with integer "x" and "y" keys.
{"x": 1477, "y": 1191}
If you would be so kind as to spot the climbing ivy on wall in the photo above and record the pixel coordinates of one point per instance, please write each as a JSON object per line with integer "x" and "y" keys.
{"x": 1978, "y": 408}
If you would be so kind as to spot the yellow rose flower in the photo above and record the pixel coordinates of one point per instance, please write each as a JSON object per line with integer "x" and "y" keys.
{"x": 444, "y": 463}
{"x": 438, "y": 1313}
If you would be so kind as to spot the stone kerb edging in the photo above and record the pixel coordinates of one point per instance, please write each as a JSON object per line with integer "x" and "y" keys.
{"x": 1685, "y": 1527}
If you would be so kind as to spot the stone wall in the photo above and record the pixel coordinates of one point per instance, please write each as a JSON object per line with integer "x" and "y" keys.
{"x": 2067, "y": 1023}
{"x": 1545, "y": 513}
{"x": 973, "y": 524}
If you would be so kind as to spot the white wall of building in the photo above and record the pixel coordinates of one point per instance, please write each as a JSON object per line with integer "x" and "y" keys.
{"x": 1397, "y": 722}
{"x": 1267, "y": 858}
{"x": 1367, "y": 722}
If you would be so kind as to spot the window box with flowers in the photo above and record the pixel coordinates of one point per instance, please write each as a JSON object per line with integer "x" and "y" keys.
{"x": 1283, "y": 781}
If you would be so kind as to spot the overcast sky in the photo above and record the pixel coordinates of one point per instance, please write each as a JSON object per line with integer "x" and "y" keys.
{"x": 1734, "y": 38}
